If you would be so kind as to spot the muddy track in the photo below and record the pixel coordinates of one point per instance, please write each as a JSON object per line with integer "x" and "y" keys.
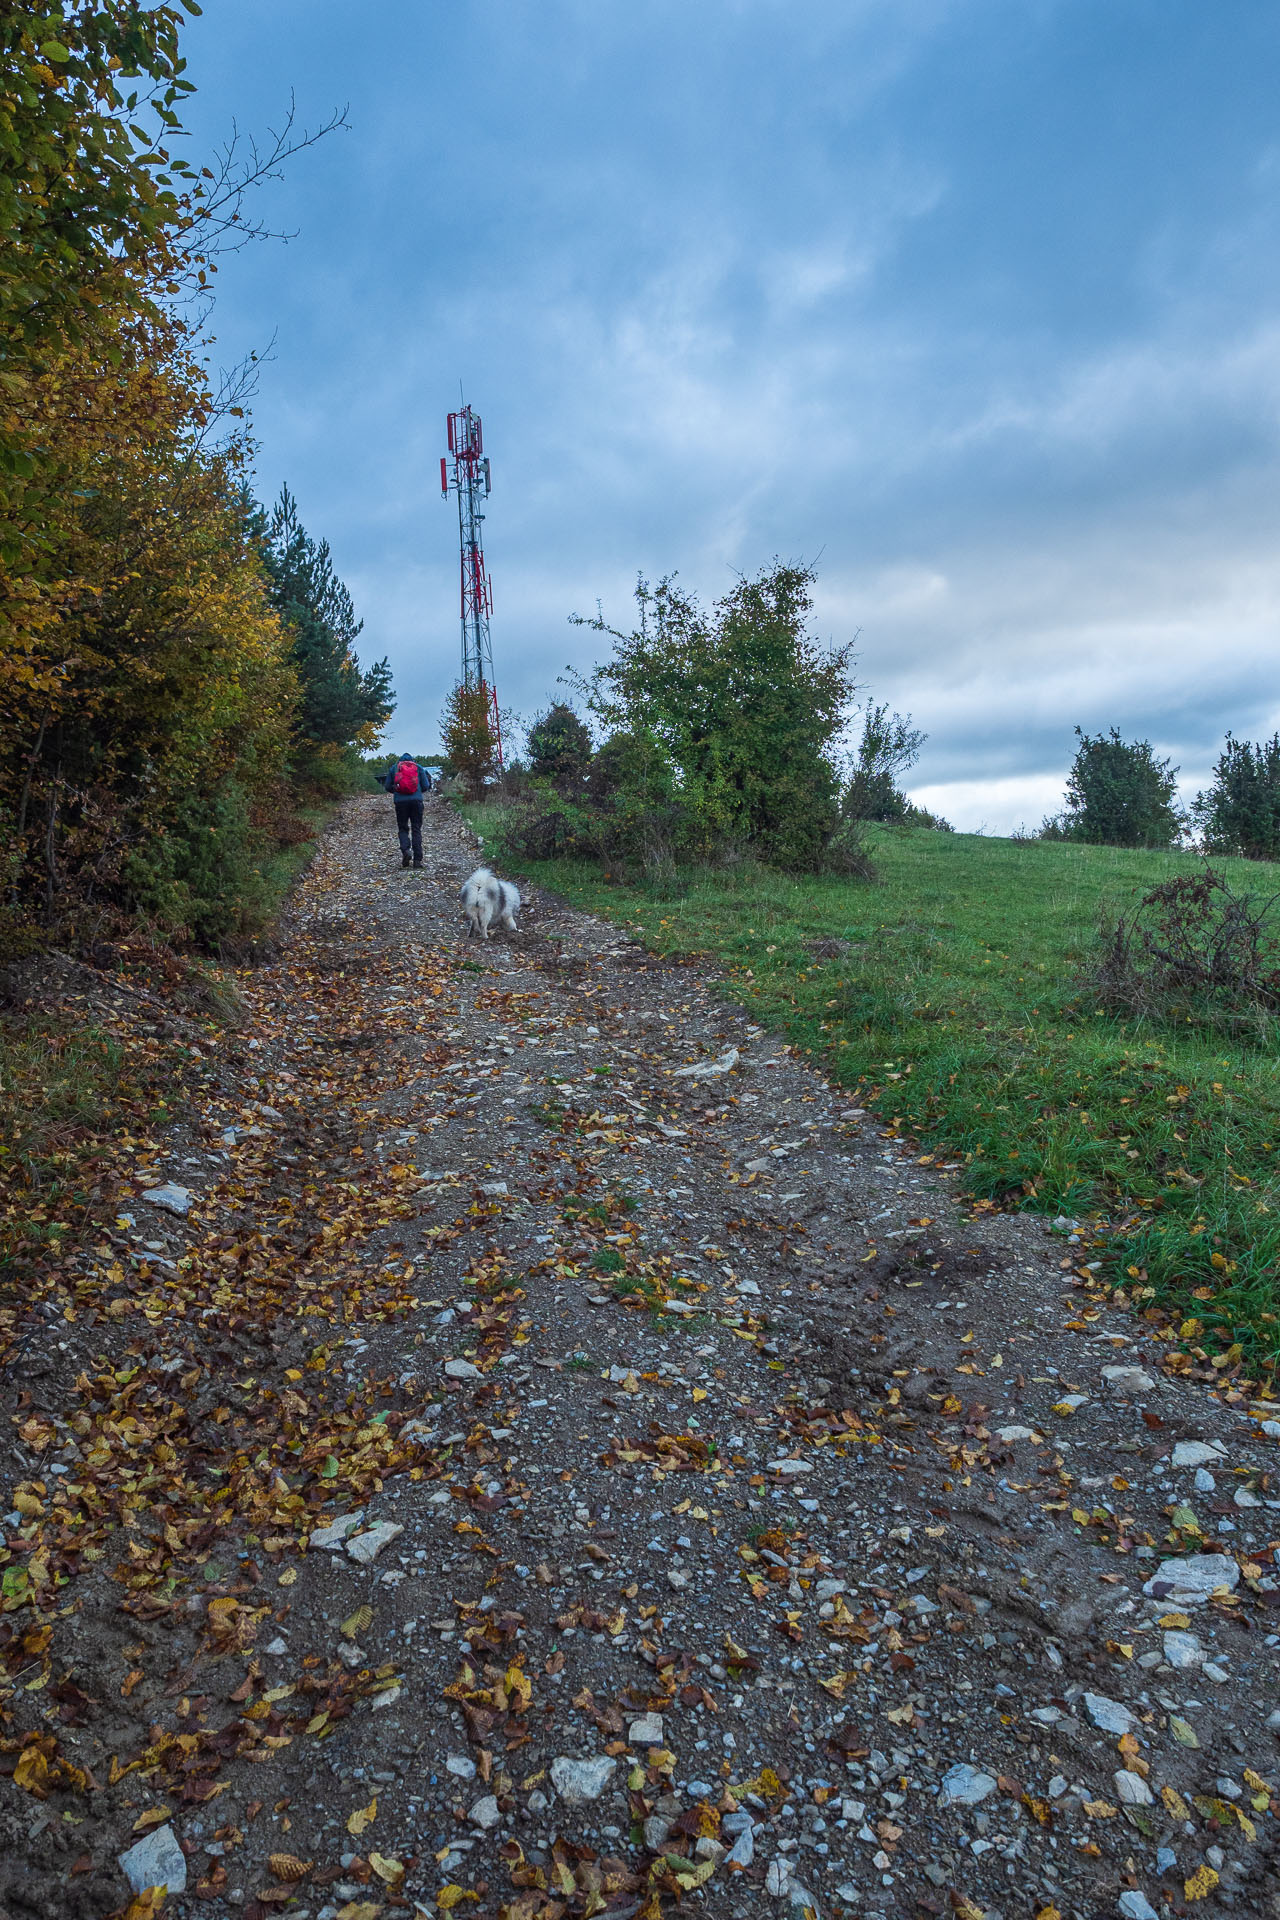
{"x": 567, "y": 1461}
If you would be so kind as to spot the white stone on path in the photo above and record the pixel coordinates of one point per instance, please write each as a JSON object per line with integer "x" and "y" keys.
{"x": 333, "y": 1538}
{"x": 1198, "y": 1453}
{"x": 1183, "y": 1651}
{"x": 364, "y": 1548}
{"x": 709, "y": 1069}
{"x": 1128, "y": 1379}
{"x": 580, "y": 1781}
{"x": 1132, "y": 1790}
{"x": 778, "y": 1879}
{"x": 646, "y": 1731}
{"x": 743, "y": 1850}
{"x": 156, "y": 1861}
{"x": 460, "y": 1766}
{"x": 1110, "y": 1716}
{"x": 1009, "y": 1434}
{"x": 1136, "y": 1906}
{"x": 461, "y": 1370}
{"x": 965, "y": 1786}
{"x": 173, "y": 1198}
{"x": 485, "y": 1813}
{"x": 1193, "y": 1580}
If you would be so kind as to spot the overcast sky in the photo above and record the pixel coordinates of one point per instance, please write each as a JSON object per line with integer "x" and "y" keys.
{"x": 974, "y": 302}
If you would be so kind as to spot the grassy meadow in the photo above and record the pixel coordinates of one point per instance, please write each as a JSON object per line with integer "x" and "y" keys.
{"x": 947, "y": 996}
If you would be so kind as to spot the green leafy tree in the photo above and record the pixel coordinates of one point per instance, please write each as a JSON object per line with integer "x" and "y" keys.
{"x": 342, "y": 704}
{"x": 1119, "y": 794}
{"x": 1240, "y": 812}
{"x": 560, "y": 748}
{"x": 744, "y": 705}
{"x": 889, "y": 746}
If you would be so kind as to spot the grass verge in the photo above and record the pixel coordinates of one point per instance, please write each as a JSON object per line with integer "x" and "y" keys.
{"x": 947, "y": 997}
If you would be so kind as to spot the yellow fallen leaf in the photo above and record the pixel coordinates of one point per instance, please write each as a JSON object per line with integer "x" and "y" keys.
{"x": 356, "y": 1622}
{"x": 689, "y": 1875}
{"x": 32, "y": 1771}
{"x": 288, "y": 1577}
{"x": 153, "y": 1817}
{"x": 287, "y": 1866}
{"x": 1201, "y": 1884}
{"x": 452, "y": 1895}
{"x": 360, "y": 1910}
{"x": 699, "y": 1393}
{"x": 363, "y": 1817}
{"x": 387, "y": 1869}
{"x": 146, "y": 1905}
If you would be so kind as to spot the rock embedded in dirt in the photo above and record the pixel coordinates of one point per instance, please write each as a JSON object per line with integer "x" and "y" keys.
{"x": 1198, "y": 1453}
{"x": 578, "y": 1782}
{"x": 461, "y": 1370}
{"x": 170, "y": 1197}
{"x": 1193, "y": 1581}
{"x": 364, "y": 1548}
{"x": 156, "y": 1861}
{"x": 965, "y": 1786}
{"x": 485, "y": 1813}
{"x": 1128, "y": 1379}
{"x": 333, "y": 1538}
{"x": 1109, "y": 1716}
{"x": 1131, "y": 1789}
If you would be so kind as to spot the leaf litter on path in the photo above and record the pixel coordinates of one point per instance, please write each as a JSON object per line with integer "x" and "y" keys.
{"x": 717, "y": 1512}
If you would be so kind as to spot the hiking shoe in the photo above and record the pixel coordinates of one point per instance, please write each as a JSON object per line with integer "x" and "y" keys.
{"x": 417, "y": 864}
{"x": 404, "y": 860}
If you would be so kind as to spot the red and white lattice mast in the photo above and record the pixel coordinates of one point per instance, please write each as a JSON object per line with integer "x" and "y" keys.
{"x": 470, "y": 480}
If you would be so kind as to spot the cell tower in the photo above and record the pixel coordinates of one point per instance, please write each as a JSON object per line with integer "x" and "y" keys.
{"x": 470, "y": 481}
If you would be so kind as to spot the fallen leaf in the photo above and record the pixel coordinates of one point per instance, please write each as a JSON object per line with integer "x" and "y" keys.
{"x": 363, "y": 1817}
{"x": 1201, "y": 1884}
{"x": 287, "y": 1866}
{"x": 145, "y": 1906}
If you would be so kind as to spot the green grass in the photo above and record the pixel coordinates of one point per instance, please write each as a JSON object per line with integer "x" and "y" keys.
{"x": 957, "y": 1015}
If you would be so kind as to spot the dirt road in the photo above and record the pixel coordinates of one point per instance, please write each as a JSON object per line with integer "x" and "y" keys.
{"x": 559, "y": 1459}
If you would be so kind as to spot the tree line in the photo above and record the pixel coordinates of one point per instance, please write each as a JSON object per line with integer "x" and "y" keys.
{"x": 1120, "y": 793}
{"x": 177, "y": 663}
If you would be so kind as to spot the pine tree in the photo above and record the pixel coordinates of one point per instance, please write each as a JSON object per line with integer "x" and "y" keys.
{"x": 342, "y": 704}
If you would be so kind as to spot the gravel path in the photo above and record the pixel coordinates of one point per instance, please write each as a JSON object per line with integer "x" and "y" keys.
{"x": 658, "y": 1490}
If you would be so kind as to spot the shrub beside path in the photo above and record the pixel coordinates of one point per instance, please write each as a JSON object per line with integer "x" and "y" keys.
{"x": 540, "y": 1452}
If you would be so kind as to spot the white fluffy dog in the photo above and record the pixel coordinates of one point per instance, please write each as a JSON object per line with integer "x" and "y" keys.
{"x": 485, "y": 898}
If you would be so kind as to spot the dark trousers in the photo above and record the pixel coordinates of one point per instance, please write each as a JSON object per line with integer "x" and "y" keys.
{"x": 409, "y": 823}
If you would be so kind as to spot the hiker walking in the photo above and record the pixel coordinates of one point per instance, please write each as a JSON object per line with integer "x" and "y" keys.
{"x": 406, "y": 782}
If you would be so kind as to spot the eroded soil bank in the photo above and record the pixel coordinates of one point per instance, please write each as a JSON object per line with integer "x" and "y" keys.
{"x": 564, "y": 1461}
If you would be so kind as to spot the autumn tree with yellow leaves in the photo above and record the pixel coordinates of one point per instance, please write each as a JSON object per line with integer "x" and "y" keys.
{"x": 151, "y": 711}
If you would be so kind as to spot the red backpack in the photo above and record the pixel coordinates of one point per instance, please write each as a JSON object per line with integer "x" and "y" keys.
{"x": 406, "y": 777}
